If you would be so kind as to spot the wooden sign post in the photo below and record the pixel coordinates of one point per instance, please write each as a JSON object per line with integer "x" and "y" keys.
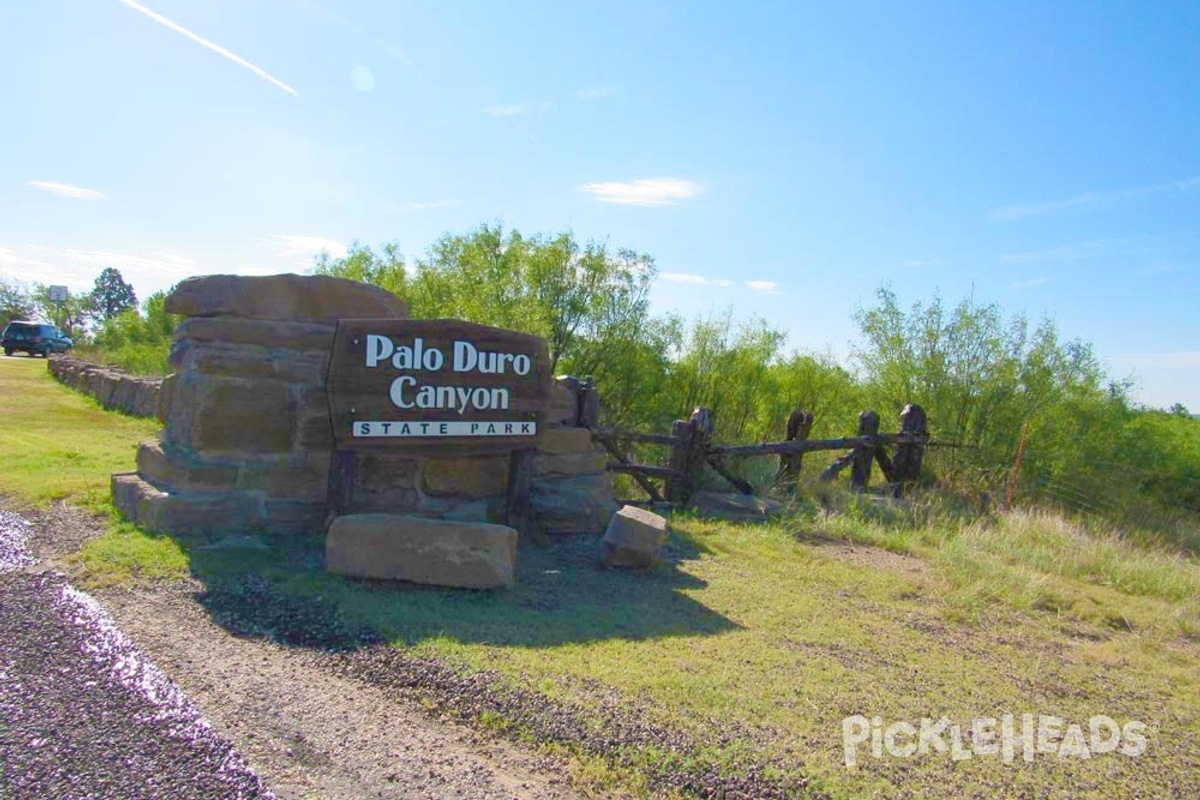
{"x": 437, "y": 388}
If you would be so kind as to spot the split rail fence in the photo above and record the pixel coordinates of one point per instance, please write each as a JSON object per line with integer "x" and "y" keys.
{"x": 693, "y": 451}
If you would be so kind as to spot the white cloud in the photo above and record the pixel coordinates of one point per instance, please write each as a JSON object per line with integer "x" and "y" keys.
{"x": 684, "y": 277}
{"x": 67, "y": 190}
{"x": 694, "y": 280}
{"x": 1187, "y": 359}
{"x": 421, "y": 206}
{"x": 1091, "y": 200}
{"x": 595, "y": 93}
{"x": 1040, "y": 280}
{"x": 158, "y": 261}
{"x": 305, "y": 248}
{"x": 213, "y": 46}
{"x": 643, "y": 192}
{"x": 11, "y": 258}
{"x": 763, "y": 286}
{"x": 148, "y": 270}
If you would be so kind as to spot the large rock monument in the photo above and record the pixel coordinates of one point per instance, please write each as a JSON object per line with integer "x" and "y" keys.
{"x": 248, "y": 438}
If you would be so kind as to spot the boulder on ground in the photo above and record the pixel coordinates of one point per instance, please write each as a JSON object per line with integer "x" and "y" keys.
{"x": 582, "y": 504}
{"x": 471, "y": 555}
{"x": 635, "y": 538}
{"x": 734, "y": 507}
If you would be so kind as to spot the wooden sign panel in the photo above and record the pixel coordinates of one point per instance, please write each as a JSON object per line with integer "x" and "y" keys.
{"x": 436, "y": 384}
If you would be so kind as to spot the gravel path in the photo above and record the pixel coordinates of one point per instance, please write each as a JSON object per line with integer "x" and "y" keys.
{"x": 85, "y": 714}
{"x": 314, "y": 734}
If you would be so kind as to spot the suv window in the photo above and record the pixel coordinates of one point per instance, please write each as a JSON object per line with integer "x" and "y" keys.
{"x": 23, "y": 330}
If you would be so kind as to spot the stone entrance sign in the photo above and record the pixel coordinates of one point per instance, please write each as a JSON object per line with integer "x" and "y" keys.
{"x": 259, "y": 422}
{"x": 436, "y": 385}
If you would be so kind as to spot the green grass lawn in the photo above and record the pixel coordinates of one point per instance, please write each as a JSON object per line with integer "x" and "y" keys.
{"x": 772, "y": 633}
{"x": 57, "y": 444}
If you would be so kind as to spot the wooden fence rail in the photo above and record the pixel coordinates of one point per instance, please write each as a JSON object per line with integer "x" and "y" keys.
{"x": 692, "y": 451}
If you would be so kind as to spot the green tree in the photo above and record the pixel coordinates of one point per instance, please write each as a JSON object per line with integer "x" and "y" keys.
{"x": 71, "y": 316}
{"x": 983, "y": 378}
{"x": 111, "y": 294}
{"x": 139, "y": 342}
{"x": 725, "y": 368}
{"x": 386, "y": 270}
{"x": 15, "y": 302}
{"x": 585, "y": 300}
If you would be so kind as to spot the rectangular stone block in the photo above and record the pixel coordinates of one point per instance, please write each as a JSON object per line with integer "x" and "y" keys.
{"x": 156, "y": 510}
{"x": 288, "y": 477}
{"x": 268, "y": 333}
{"x": 564, "y": 406}
{"x": 171, "y": 469}
{"x": 238, "y": 416}
{"x": 634, "y": 538}
{"x": 556, "y": 441}
{"x": 469, "y": 555}
{"x": 380, "y": 470}
{"x": 466, "y": 477}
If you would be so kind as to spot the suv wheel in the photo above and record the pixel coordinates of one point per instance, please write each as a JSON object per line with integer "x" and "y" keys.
{"x": 45, "y": 351}
{"x": 8, "y": 351}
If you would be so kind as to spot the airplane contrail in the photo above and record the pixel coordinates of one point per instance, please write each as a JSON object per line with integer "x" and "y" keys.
{"x": 216, "y": 48}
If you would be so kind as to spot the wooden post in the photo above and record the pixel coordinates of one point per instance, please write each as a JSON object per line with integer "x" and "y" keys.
{"x": 910, "y": 453}
{"x": 799, "y": 425}
{"x": 860, "y": 468}
{"x": 690, "y": 454}
{"x": 343, "y": 474}
{"x": 518, "y": 510}
{"x": 676, "y": 488}
{"x": 701, "y": 425}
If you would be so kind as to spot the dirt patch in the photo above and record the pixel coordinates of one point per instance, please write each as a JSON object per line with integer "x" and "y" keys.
{"x": 60, "y": 530}
{"x": 862, "y": 555}
{"x": 311, "y": 733}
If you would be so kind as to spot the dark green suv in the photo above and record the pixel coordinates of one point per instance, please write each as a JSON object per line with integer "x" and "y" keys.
{"x": 35, "y": 338}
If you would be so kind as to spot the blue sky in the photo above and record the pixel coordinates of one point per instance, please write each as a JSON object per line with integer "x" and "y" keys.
{"x": 783, "y": 159}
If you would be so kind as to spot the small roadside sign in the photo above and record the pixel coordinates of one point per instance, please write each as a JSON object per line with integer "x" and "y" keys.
{"x": 58, "y": 294}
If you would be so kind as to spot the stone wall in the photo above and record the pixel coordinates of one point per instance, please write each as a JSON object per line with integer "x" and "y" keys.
{"x": 247, "y": 440}
{"x": 113, "y": 388}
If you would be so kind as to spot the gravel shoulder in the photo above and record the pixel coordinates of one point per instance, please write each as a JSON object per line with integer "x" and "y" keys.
{"x": 311, "y": 733}
{"x": 305, "y": 730}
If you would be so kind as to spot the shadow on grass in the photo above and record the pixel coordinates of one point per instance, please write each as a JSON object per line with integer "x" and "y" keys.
{"x": 278, "y": 588}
